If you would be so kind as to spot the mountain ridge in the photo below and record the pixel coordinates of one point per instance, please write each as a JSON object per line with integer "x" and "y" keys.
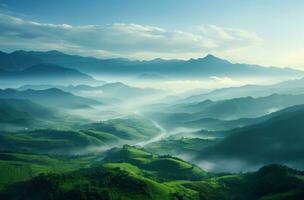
{"x": 52, "y": 97}
{"x": 262, "y": 143}
{"x": 205, "y": 67}
{"x": 45, "y": 73}
{"x": 294, "y": 86}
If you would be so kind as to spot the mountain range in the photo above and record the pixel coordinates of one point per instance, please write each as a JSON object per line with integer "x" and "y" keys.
{"x": 52, "y": 97}
{"x": 294, "y": 86}
{"x": 112, "y": 93}
{"x": 157, "y": 68}
{"x": 221, "y": 114}
{"x": 66, "y": 135}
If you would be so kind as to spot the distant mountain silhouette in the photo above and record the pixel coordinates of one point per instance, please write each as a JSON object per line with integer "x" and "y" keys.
{"x": 197, "y": 68}
{"x": 222, "y": 114}
{"x": 112, "y": 92}
{"x": 46, "y": 73}
{"x": 17, "y": 61}
{"x": 295, "y": 86}
{"x": 52, "y": 97}
{"x": 124, "y": 91}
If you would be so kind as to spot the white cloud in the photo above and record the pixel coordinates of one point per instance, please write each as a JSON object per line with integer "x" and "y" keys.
{"x": 184, "y": 85}
{"x": 228, "y": 37}
{"x": 225, "y": 80}
{"x": 125, "y": 40}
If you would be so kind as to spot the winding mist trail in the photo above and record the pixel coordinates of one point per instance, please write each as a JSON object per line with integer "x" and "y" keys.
{"x": 163, "y": 133}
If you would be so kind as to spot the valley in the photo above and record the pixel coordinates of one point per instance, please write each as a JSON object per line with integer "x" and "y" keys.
{"x": 67, "y": 134}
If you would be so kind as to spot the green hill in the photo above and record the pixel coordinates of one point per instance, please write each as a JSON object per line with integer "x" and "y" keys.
{"x": 277, "y": 140}
{"x": 163, "y": 167}
{"x": 128, "y": 179}
{"x": 79, "y": 139}
{"x": 129, "y": 128}
{"x": 16, "y": 167}
{"x": 180, "y": 146}
{"x": 18, "y": 114}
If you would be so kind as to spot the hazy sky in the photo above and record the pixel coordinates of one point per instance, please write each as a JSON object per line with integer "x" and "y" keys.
{"x": 267, "y": 32}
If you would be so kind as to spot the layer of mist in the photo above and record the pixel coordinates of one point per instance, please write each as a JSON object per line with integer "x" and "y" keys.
{"x": 190, "y": 114}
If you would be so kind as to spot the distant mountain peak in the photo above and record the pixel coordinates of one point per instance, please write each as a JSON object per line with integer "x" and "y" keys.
{"x": 212, "y": 58}
{"x": 116, "y": 85}
{"x": 54, "y": 52}
{"x": 157, "y": 60}
{"x": 209, "y": 59}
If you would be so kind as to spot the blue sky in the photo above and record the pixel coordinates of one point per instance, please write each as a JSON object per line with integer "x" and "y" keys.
{"x": 268, "y": 32}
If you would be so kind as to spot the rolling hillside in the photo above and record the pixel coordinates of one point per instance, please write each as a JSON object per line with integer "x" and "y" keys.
{"x": 18, "y": 114}
{"x": 111, "y": 180}
{"x": 276, "y": 140}
{"x": 78, "y": 138}
{"x": 162, "y": 167}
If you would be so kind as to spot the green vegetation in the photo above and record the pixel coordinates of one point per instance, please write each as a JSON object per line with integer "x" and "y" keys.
{"x": 222, "y": 114}
{"x": 81, "y": 141}
{"x": 22, "y": 114}
{"x": 180, "y": 146}
{"x": 103, "y": 180}
{"x": 278, "y": 140}
{"x": 131, "y": 128}
{"x": 48, "y": 153}
{"x": 172, "y": 168}
{"x": 16, "y": 167}
{"x": 16, "y": 114}
{"x": 133, "y": 173}
{"x": 97, "y": 183}
{"x": 47, "y": 141}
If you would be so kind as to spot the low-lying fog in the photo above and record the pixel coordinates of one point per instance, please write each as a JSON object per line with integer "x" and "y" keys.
{"x": 180, "y": 89}
{"x": 122, "y": 104}
{"x": 177, "y": 86}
